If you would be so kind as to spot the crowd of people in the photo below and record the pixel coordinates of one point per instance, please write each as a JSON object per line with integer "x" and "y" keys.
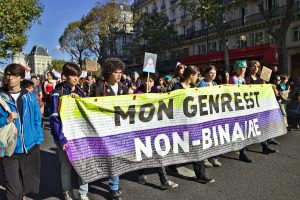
{"x": 31, "y": 100}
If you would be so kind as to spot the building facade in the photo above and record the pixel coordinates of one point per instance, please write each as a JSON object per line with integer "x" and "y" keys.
{"x": 247, "y": 38}
{"x": 37, "y": 60}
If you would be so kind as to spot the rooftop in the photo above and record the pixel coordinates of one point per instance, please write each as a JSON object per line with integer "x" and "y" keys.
{"x": 39, "y": 51}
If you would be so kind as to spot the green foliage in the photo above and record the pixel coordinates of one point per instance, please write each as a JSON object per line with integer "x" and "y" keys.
{"x": 57, "y": 65}
{"x": 74, "y": 42}
{"x": 154, "y": 34}
{"x": 104, "y": 25}
{"x": 16, "y": 17}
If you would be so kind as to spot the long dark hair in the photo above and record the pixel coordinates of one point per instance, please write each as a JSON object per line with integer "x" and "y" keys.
{"x": 189, "y": 70}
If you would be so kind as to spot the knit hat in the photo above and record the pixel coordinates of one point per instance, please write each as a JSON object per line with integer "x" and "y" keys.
{"x": 240, "y": 64}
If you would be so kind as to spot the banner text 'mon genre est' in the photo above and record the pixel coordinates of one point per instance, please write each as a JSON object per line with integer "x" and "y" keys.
{"x": 192, "y": 106}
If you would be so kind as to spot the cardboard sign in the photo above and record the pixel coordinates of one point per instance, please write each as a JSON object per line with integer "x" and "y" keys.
{"x": 91, "y": 65}
{"x": 265, "y": 74}
{"x": 150, "y": 62}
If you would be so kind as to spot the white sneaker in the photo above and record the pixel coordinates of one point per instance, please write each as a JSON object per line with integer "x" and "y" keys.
{"x": 84, "y": 197}
{"x": 215, "y": 162}
{"x": 207, "y": 164}
{"x": 68, "y": 195}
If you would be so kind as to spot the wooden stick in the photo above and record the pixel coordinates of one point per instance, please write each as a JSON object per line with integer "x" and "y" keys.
{"x": 148, "y": 81}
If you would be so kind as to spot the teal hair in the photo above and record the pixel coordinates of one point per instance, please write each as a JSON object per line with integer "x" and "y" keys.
{"x": 240, "y": 64}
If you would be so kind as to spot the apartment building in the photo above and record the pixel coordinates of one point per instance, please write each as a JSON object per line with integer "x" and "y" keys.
{"x": 247, "y": 38}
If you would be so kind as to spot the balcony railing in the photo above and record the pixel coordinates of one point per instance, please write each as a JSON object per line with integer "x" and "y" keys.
{"x": 255, "y": 18}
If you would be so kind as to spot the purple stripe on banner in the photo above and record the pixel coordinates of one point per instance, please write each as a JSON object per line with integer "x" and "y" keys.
{"x": 118, "y": 144}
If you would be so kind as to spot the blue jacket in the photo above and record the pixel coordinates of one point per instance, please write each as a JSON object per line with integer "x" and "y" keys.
{"x": 30, "y": 131}
{"x": 55, "y": 121}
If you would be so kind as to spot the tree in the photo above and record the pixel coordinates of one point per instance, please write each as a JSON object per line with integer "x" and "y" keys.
{"x": 16, "y": 17}
{"x": 154, "y": 34}
{"x": 279, "y": 34}
{"x": 74, "y": 42}
{"x": 104, "y": 25}
{"x": 211, "y": 12}
{"x": 57, "y": 65}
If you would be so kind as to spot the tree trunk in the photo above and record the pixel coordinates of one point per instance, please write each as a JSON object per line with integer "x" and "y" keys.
{"x": 282, "y": 55}
{"x": 225, "y": 51}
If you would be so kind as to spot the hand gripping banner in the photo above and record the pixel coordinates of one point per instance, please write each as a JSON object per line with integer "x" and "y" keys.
{"x": 109, "y": 136}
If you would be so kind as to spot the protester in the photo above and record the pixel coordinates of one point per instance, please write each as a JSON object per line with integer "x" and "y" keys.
{"x": 135, "y": 81}
{"x": 177, "y": 76}
{"x": 48, "y": 87}
{"x": 162, "y": 85}
{"x": 253, "y": 77}
{"x": 29, "y": 86}
{"x": 37, "y": 89}
{"x": 283, "y": 85}
{"x": 89, "y": 81}
{"x": 188, "y": 80}
{"x": 275, "y": 73}
{"x": 210, "y": 75}
{"x": 142, "y": 179}
{"x": 112, "y": 70}
{"x": 69, "y": 87}
{"x": 240, "y": 69}
{"x": 21, "y": 170}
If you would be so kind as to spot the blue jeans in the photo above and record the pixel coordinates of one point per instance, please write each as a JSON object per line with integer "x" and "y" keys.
{"x": 66, "y": 174}
{"x": 113, "y": 183}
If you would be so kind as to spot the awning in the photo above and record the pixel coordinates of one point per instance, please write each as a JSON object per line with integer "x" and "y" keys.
{"x": 266, "y": 52}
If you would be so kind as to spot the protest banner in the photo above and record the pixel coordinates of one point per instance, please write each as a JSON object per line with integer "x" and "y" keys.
{"x": 109, "y": 136}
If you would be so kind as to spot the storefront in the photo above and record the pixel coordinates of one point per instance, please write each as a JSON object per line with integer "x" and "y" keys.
{"x": 266, "y": 54}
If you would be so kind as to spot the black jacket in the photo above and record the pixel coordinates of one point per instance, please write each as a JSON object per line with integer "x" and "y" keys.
{"x": 102, "y": 88}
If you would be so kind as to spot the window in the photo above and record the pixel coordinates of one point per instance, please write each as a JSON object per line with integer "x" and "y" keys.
{"x": 124, "y": 39}
{"x": 257, "y": 38}
{"x": 173, "y": 15}
{"x": 163, "y": 5}
{"x": 244, "y": 14}
{"x": 269, "y": 39}
{"x": 202, "y": 49}
{"x": 146, "y": 9}
{"x": 212, "y": 46}
{"x": 184, "y": 30}
{"x": 242, "y": 41}
{"x": 296, "y": 34}
{"x": 154, "y": 7}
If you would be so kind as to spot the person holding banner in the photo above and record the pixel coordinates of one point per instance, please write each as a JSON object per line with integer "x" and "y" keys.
{"x": 142, "y": 179}
{"x": 177, "y": 75}
{"x": 188, "y": 80}
{"x": 22, "y": 169}
{"x": 69, "y": 87}
{"x": 253, "y": 77}
{"x": 240, "y": 67}
{"x": 111, "y": 85}
{"x": 210, "y": 73}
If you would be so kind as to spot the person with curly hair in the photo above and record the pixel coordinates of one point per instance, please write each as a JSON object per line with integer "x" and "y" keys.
{"x": 111, "y": 85}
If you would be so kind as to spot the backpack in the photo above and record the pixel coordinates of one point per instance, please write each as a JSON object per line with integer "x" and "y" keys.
{"x": 8, "y": 135}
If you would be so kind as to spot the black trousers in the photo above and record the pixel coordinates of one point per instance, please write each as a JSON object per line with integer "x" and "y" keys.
{"x": 161, "y": 173}
{"x": 22, "y": 173}
{"x": 199, "y": 169}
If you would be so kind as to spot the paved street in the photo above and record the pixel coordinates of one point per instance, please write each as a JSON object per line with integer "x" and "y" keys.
{"x": 273, "y": 177}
